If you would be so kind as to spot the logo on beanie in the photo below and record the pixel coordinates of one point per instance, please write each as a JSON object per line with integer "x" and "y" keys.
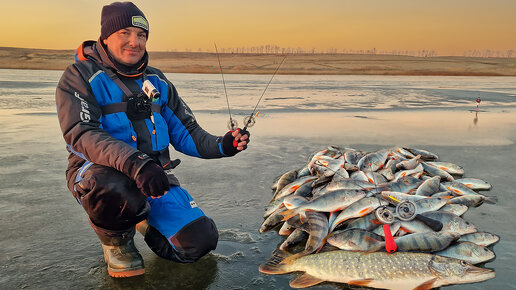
{"x": 140, "y": 21}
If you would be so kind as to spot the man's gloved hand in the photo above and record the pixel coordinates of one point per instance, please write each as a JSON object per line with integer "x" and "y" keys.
{"x": 232, "y": 138}
{"x": 152, "y": 180}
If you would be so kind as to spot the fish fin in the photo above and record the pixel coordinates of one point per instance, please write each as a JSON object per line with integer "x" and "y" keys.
{"x": 323, "y": 242}
{"x": 288, "y": 260}
{"x": 364, "y": 211}
{"x": 361, "y": 282}
{"x": 294, "y": 188}
{"x": 274, "y": 264}
{"x": 305, "y": 280}
{"x": 427, "y": 285}
{"x": 302, "y": 217}
{"x": 491, "y": 199}
{"x": 288, "y": 214}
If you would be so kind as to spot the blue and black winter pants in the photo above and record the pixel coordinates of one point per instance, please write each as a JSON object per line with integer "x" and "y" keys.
{"x": 178, "y": 231}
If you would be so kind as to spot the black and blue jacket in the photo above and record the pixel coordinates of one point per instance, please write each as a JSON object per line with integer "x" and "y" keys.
{"x": 94, "y": 133}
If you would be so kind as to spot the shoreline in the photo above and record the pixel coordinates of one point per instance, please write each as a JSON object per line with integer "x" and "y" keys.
{"x": 295, "y": 64}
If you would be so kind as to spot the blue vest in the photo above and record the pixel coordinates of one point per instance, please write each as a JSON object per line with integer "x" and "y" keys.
{"x": 107, "y": 92}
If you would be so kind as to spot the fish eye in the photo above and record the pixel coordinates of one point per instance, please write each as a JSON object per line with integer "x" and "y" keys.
{"x": 463, "y": 263}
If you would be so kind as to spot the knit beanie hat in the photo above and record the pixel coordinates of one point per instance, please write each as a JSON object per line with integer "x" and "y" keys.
{"x": 118, "y": 15}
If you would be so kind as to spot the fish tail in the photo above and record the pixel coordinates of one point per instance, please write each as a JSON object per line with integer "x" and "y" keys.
{"x": 491, "y": 199}
{"x": 324, "y": 241}
{"x": 276, "y": 263}
{"x": 288, "y": 214}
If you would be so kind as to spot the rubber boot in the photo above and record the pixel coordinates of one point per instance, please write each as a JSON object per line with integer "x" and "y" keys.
{"x": 142, "y": 227}
{"x": 121, "y": 256}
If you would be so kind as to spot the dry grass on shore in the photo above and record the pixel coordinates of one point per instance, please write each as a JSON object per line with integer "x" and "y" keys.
{"x": 318, "y": 64}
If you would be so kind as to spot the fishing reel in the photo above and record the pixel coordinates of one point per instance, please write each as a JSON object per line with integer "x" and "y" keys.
{"x": 405, "y": 211}
{"x": 249, "y": 121}
{"x": 384, "y": 215}
{"x": 232, "y": 124}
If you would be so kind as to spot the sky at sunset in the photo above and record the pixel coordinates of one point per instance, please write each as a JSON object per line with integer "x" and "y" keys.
{"x": 449, "y": 27}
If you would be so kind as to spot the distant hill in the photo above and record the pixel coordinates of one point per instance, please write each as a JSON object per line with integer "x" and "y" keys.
{"x": 333, "y": 64}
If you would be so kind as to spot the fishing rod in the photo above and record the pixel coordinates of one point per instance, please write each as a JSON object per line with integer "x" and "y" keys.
{"x": 250, "y": 120}
{"x": 232, "y": 124}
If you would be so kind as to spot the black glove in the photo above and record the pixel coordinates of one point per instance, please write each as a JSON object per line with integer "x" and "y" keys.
{"x": 228, "y": 142}
{"x": 152, "y": 180}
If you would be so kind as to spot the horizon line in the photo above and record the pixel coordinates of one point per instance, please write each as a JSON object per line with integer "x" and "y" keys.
{"x": 274, "y": 49}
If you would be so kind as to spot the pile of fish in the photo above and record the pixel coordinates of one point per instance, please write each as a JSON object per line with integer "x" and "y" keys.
{"x": 334, "y": 210}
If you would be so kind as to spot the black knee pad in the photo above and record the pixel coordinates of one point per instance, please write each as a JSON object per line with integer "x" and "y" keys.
{"x": 111, "y": 199}
{"x": 192, "y": 242}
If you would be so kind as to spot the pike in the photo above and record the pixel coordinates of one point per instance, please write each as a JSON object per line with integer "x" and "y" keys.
{"x": 399, "y": 270}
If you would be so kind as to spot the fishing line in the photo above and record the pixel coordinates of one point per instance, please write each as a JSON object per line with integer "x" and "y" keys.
{"x": 232, "y": 125}
{"x": 249, "y": 120}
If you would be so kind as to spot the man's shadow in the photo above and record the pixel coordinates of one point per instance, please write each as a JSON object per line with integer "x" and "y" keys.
{"x": 164, "y": 274}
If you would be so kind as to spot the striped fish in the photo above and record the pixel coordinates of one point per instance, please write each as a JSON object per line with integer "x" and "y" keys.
{"x": 399, "y": 270}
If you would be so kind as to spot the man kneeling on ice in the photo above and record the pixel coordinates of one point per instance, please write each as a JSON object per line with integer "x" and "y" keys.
{"x": 118, "y": 117}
